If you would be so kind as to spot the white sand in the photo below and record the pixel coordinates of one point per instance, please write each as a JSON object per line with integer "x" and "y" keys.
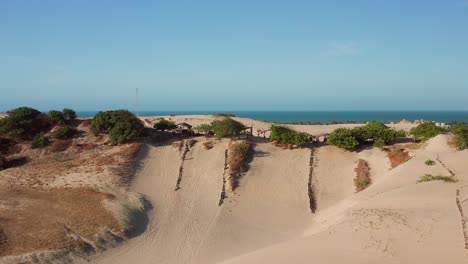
{"x": 268, "y": 220}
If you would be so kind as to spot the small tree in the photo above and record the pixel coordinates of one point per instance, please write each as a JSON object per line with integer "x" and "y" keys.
{"x": 24, "y": 122}
{"x": 203, "y": 128}
{"x": 343, "y": 138}
{"x": 56, "y": 117}
{"x": 226, "y": 127}
{"x": 122, "y": 125}
{"x": 165, "y": 125}
{"x": 68, "y": 114}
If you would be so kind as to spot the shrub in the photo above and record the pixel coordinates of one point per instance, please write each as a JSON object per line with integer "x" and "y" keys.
{"x": 226, "y": 127}
{"x": 398, "y": 157}
{"x": 3, "y": 163}
{"x": 376, "y": 132}
{"x": 69, "y": 114}
{"x": 429, "y": 177}
{"x": 429, "y": 162}
{"x": 237, "y": 161}
{"x": 24, "y": 122}
{"x": 286, "y": 135}
{"x": 121, "y": 125}
{"x": 461, "y": 135}
{"x": 426, "y": 130}
{"x": 165, "y": 125}
{"x": 203, "y": 128}
{"x": 56, "y": 117}
{"x": 63, "y": 132}
{"x": 39, "y": 141}
{"x": 362, "y": 180}
{"x": 343, "y": 138}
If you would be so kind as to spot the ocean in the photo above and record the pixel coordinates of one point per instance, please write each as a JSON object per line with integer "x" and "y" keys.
{"x": 322, "y": 116}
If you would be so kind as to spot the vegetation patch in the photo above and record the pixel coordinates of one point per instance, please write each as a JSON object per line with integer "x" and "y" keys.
{"x": 225, "y": 127}
{"x": 362, "y": 179}
{"x": 429, "y": 177}
{"x": 63, "y": 132}
{"x": 164, "y": 125}
{"x": 24, "y": 122}
{"x": 426, "y": 131}
{"x": 374, "y": 132}
{"x": 287, "y": 136}
{"x": 398, "y": 156}
{"x": 429, "y": 162}
{"x": 121, "y": 125}
{"x": 39, "y": 141}
{"x": 460, "y": 132}
{"x": 239, "y": 153}
{"x": 208, "y": 145}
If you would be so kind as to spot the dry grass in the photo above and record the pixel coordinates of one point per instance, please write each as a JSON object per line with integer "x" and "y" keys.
{"x": 33, "y": 220}
{"x": 362, "y": 179}
{"x": 238, "y": 155}
{"x": 208, "y": 145}
{"x": 429, "y": 177}
{"x": 397, "y": 157}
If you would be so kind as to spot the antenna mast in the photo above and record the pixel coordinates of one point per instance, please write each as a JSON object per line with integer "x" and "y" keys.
{"x": 136, "y": 101}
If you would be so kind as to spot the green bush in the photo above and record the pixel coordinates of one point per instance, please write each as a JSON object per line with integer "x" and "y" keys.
{"x": 461, "y": 135}
{"x": 226, "y": 127}
{"x": 377, "y": 132}
{"x": 39, "y": 141}
{"x": 286, "y": 135}
{"x": 24, "y": 122}
{"x": 63, "y": 132}
{"x": 203, "y": 128}
{"x": 56, "y": 117}
{"x": 68, "y": 114}
{"x": 122, "y": 125}
{"x": 343, "y": 138}
{"x": 165, "y": 125}
{"x": 429, "y": 162}
{"x": 426, "y": 130}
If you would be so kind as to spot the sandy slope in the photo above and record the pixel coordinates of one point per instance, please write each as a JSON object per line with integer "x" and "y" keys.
{"x": 268, "y": 220}
{"x": 395, "y": 220}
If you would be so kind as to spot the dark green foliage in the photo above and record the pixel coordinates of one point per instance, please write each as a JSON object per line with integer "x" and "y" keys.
{"x": 286, "y": 135}
{"x": 461, "y": 135}
{"x": 39, "y": 141}
{"x": 343, "y": 138}
{"x": 56, "y": 117}
{"x": 122, "y": 125}
{"x": 376, "y": 132}
{"x": 427, "y": 130}
{"x": 68, "y": 114}
{"x": 24, "y": 122}
{"x": 429, "y": 162}
{"x": 165, "y": 125}
{"x": 226, "y": 127}
{"x": 63, "y": 132}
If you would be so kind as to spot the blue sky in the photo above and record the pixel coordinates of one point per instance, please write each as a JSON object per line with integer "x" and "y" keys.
{"x": 233, "y": 55}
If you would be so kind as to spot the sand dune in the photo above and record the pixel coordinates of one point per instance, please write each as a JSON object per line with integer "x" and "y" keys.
{"x": 268, "y": 218}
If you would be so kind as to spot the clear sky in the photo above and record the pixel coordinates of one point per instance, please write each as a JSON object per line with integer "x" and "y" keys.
{"x": 232, "y": 55}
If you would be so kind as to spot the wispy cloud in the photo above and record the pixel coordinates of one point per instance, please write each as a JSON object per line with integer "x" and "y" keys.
{"x": 341, "y": 49}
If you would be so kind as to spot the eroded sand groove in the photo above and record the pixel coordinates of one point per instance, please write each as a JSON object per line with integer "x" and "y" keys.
{"x": 310, "y": 190}
{"x": 181, "y": 168}
{"x": 223, "y": 190}
{"x": 463, "y": 218}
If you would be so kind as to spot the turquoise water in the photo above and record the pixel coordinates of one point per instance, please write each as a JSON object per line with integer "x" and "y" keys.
{"x": 324, "y": 116}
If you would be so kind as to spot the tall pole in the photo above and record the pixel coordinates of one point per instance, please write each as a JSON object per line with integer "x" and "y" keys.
{"x": 136, "y": 101}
